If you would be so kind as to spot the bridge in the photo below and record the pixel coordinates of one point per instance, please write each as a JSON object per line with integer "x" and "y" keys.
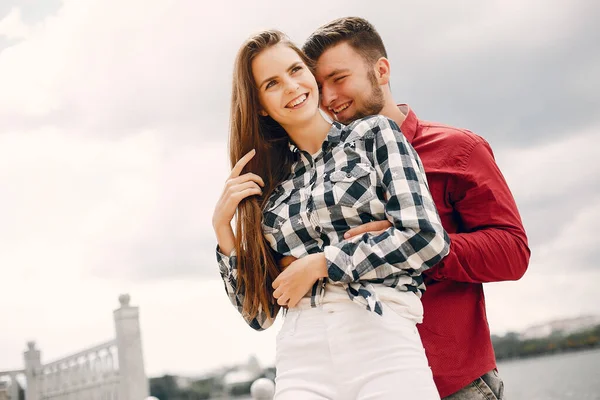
{"x": 112, "y": 370}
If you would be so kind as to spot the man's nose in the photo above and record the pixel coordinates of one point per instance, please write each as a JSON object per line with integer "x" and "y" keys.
{"x": 328, "y": 96}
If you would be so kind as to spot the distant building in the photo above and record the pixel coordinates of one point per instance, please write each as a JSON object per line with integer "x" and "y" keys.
{"x": 565, "y": 326}
{"x": 233, "y": 382}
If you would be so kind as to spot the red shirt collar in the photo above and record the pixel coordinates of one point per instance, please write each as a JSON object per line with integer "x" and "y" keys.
{"x": 410, "y": 125}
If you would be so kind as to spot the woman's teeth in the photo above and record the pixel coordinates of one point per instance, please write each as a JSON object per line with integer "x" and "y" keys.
{"x": 297, "y": 101}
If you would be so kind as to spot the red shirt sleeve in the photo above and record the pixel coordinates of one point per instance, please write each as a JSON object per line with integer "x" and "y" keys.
{"x": 491, "y": 245}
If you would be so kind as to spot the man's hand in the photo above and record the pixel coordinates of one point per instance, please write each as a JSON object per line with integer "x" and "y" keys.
{"x": 375, "y": 227}
{"x": 297, "y": 279}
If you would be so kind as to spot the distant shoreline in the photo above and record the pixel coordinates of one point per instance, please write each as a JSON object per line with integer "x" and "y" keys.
{"x": 511, "y": 346}
{"x": 548, "y": 354}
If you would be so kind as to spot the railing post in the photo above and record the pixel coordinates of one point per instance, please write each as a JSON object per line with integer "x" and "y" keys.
{"x": 133, "y": 383}
{"x": 14, "y": 387}
{"x": 33, "y": 370}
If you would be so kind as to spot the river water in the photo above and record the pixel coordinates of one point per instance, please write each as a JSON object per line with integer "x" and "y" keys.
{"x": 557, "y": 377}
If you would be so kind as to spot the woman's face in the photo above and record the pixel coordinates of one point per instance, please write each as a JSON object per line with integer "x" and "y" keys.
{"x": 287, "y": 90}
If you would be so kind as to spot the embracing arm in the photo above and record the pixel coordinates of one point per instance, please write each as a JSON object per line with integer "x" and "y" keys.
{"x": 416, "y": 240}
{"x": 492, "y": 245}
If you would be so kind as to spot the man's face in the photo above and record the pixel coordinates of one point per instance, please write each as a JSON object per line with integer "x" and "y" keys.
{"x": 348, "y": 87}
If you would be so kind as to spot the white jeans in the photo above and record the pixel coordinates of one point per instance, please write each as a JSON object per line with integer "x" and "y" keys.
{"x": 340, "y": 351}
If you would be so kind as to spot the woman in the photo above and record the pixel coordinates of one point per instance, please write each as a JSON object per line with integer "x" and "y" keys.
{"x": 297, "y": 184}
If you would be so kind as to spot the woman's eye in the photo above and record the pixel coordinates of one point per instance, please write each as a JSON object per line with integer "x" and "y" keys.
{"x": 339, "y": 79}
{"x": 296, "y": 69}
{"x": 270, "y": 84}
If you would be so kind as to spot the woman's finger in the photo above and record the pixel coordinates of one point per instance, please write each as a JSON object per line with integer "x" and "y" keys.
{"x": 283, "y": 300}
{"x": 292, "y": 302}
{"x": 239, "y": 166}
{"x": 239, "y": 196}
{"x": 242, "y": 186}
{"x": 247, "y": 177}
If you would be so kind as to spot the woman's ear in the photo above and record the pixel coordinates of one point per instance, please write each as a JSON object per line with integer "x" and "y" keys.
{"x": 382, "y": 71}
{"x": 263, "y": 113}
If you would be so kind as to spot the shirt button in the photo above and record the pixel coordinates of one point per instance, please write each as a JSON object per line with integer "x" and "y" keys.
{"x": 348, "y": 175}
{"x": 318, "y": 229}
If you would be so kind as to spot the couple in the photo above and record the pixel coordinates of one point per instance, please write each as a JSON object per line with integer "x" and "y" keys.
{"x": 345, "y": 224}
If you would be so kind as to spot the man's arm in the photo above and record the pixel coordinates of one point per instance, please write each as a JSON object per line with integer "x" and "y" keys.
{"x": 492, "y": 245}
{"x": 416, "y": 240}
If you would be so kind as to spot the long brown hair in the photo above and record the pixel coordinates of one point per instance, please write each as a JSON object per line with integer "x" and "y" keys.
{"x": 256, "y": 262}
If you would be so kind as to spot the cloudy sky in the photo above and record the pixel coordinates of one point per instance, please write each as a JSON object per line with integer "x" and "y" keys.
{"x": 113, "y": 127}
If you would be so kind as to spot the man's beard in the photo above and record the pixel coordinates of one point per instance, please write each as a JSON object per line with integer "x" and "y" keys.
{"x": 372, "y": 105}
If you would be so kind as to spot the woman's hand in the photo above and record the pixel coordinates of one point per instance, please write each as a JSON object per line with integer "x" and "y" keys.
{"x": 297, "y": 279}
{"x": 236, "y": 189}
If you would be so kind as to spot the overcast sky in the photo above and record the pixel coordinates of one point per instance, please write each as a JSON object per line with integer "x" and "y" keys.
{"x": 113, "y": 127}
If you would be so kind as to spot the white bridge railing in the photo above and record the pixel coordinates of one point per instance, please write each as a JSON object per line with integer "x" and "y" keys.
{"x": 94, "y": 371}
{"x": 113, "y": 370}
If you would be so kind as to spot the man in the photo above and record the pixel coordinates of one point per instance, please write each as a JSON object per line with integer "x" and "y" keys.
{"x": 477, "y": 209}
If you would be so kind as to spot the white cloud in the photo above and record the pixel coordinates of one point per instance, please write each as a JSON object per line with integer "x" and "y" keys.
{"x": 558, "y": 168}
{"x": 12, "y": 26}
{"x": 95, "y": 201}
{"x": 528, "y": 24}
{"x": 561, "y": 280}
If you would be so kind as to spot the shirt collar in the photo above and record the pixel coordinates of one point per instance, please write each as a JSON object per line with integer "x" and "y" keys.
{"x": 333, "y": 137}
{"x": 410, "y": 126}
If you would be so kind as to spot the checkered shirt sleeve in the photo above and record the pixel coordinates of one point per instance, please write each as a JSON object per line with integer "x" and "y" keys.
{"x": 416, "y": 240}
{"x": 228, "y": 271}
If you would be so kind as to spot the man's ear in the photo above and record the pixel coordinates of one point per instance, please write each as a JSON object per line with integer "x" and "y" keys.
{"x": 382, "y": 71}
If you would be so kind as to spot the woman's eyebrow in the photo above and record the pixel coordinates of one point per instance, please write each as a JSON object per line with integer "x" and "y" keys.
{"x": 291, "y": 67}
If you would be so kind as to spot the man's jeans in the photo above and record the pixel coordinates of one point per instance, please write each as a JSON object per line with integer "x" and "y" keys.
{"x": 488, "y": 387}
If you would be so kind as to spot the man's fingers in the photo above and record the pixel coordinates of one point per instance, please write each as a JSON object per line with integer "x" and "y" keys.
{"x": 373, "y": 226}
{"x": 239, "y": 166}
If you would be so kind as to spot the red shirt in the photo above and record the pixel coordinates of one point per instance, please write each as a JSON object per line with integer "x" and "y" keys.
{"x": 488, "y": 244}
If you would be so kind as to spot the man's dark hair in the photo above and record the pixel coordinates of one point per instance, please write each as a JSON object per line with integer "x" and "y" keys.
{"x": 355, "y": 31}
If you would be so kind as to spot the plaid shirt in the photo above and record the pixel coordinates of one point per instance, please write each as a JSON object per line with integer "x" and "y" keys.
{"x": 363, "y": 172}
